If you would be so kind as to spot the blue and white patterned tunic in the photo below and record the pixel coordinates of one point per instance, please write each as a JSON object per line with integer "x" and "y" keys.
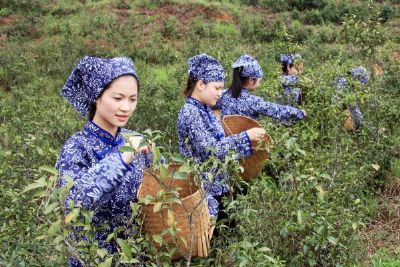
{"x": 201, "y": 137}
{"x": 291, "y": 94}
{"x": 103, "y": 182}
{"x": 252, "y": 106}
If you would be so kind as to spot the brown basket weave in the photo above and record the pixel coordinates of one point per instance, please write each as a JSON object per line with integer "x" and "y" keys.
{"x": 349, "y": 124}
{"x": 234, "y": 124}
{"x": 192, "y": 202}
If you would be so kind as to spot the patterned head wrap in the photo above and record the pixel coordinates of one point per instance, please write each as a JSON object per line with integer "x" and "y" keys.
{"x": 289, "y": 58}
{"x": 360, "y": 73}
{"x": 91, "y": 76}
{"x": 206, "y": 68}
{"x": 251, "y": 68}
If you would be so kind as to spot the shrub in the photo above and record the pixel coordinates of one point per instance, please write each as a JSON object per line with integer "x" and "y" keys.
{"x": 387, "y": 12}
{"x": 4, "y": 12}
{"x": 336, "y": 12}
{"x": 312, "y": 17}
{"x": 299, "y": 32}
{"x": 224, "y": 30}
{"x": 171, "y": 28}
{"x": 275, "y": 5}
{"x": 280, "y": 5}
{"x": 252, "y": 27}
{"x": 307, "y": 4}
{"x": 327, "y": 34}
{"x": 199, "y": 28}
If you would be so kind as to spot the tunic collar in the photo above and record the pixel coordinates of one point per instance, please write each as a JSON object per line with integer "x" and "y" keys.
{"x": 215, "y": 125}
{"x": 196, "y": 103}
{"x": 245, "y": 91}
{"x": 103, "y": 135}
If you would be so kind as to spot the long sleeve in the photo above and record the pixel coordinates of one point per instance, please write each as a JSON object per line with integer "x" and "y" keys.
{"x": 276, "y": 111}
{"x": 93, "y": 184}
{"x": 201, "y": 143}
{"x": 206, "y": 144}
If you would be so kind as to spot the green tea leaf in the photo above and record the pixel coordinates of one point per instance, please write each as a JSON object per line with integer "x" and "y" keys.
{"x": 50, "y": 207}
{"x": 126, "y": 248}
{"x": 37, "y": 184}
{"x": 299, "y": 216}
{"x": 127, "y": 149}
{"x": 157, "y": 207}
{"x": 49, "y": 169}
{"x": 158, "y": 239}
{"x": 106, "y": 263}
{"x": 163, "y": 172}
{"x": 179, "y": 175}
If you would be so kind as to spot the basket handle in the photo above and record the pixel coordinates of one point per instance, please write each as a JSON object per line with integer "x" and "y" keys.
{"x": 226, "y": 128}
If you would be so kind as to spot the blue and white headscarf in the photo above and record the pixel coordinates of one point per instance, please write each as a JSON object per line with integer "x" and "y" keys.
{"x": 289, "y": 58}
{"x": 251, "y": 68}
{"x": 91, "y": 76}
{"x": 206, "y": 68}
{"x": 360, "y": 73}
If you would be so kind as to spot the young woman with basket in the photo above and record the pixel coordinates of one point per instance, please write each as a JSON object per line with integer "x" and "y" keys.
{"x": 346, "y": 86}
{"x": 237, "y": 100}
{"x": 105, "y": 180}
{"x": 201, "y": 136}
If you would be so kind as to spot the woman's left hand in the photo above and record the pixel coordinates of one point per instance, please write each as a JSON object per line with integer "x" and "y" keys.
{"x": 135, "y": 143}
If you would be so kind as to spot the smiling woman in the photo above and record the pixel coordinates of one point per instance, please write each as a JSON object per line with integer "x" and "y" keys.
{"x": 117, "y": 103}
{"x": 105, "y": 180}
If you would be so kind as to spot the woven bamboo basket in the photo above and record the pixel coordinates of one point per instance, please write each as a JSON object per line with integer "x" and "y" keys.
{"x": 192, "y": 202}
{"x": 349, "y": 124}
{"x": 234, "y": 124}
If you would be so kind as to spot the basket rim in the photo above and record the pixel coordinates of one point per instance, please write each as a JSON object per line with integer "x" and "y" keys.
{"x": 248, "y": 119}
{"x": 198, "y": 189}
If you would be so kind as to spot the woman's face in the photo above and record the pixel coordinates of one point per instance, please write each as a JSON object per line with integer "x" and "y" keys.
{"x": 292, "y": 70}
{"x": 253, "y": 84}
{"x": 210, "y": 92}
{"x": 117, "y": 103}
{"x": 295, "y": 69}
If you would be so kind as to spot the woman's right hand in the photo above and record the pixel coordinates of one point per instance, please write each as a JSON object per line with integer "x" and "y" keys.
{"x": 256, "y": 134}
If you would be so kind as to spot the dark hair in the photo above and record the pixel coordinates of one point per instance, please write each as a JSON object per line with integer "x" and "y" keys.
{"x": 285, "y": 68}
{"x": 191, "y": 83}
{"x": 237, "y": 82}
{"x": 92, "y": 107}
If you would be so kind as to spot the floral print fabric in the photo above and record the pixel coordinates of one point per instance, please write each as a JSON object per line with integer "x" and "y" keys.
{"x": 103, "y": 183}
{"x": 253, "y": 106}
{"x": 201, "y": 137}
{"x": 91, "y": 76}
{"x": 206, "y": 68}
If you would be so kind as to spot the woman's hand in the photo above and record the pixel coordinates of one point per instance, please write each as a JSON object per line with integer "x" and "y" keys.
{"x": 134, "y": 142}
{"x": 256, "y": 134}
{"x": 305, "y": 113}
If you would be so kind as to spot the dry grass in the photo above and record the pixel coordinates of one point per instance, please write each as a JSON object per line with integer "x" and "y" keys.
{"x": 384, "y": 231}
